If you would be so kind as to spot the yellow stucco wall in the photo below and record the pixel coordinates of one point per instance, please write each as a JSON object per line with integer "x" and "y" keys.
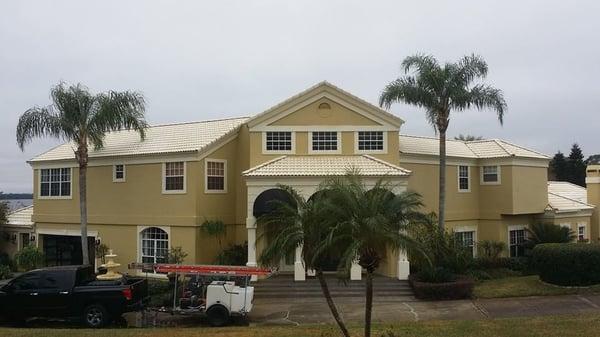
{"x": 336, "y": 115}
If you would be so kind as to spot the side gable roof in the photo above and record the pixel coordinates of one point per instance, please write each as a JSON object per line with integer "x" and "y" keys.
{"x": 324, "y": 89}
{"x": 168, "y": 138}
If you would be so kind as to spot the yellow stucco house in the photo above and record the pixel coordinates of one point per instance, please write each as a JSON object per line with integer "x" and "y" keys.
{"x": 147, "y": 196}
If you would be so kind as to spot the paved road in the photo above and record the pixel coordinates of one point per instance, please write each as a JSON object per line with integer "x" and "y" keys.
{"x": 301, "y": 311}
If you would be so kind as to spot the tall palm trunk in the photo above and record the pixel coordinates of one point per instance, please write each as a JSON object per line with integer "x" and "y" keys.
{"x": 83, "y": 161}
{"x": 442, "y": 191}
{"x": 332, "y": 307}
{"x": 369, "y": 302}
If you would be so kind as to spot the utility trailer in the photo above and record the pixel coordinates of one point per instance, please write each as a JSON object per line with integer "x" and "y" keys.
{"x": 218, "y": 292}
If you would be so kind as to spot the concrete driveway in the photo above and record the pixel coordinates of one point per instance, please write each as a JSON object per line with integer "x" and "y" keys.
{"x": 299, "y": 311}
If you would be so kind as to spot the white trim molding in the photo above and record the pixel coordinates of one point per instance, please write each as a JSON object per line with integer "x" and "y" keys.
{"x": 264, "y": 143}
{"x": 498, "y": 173}
{"x": 338, "y": 136}
{"x": 206, "y": 161}
{"x": 114, "y": 174}
{"x": 364, "y": 129}
{"x": 468, "y": 189}
{"x": 163, "y": 178}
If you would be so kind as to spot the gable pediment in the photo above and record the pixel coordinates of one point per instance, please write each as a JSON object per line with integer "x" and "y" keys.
{"x": 324, "y": 105}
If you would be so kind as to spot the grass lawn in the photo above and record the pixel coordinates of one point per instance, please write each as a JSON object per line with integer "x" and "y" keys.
{"x": 525, "y": 286}
{"x": 549, "y": 326}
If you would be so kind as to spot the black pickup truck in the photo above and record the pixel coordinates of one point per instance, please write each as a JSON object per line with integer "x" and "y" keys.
{"x": 71, "y": 292}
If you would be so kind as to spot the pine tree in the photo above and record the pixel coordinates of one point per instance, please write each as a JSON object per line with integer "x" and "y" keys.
{"x": 576, "y": 166}
{"x": 558, "y": 167}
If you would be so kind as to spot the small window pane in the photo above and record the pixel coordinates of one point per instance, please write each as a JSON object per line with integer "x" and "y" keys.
{"x": 370, "y": 140}
{"x": 215, "y": 176}
{"x": 463, "y": 178}
{"x": 174, "y": 176}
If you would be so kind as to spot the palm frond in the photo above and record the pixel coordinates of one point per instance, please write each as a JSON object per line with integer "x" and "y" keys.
{"x": 38, "y": 122}
{"x": 485, "y": 96}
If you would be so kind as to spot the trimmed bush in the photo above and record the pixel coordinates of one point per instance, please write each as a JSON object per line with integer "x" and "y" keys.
{"x": 5, "y": 272}
{"x": 30, "y": 257}
{"x": 567, "y": 264}
{"x": 461, "y": 287}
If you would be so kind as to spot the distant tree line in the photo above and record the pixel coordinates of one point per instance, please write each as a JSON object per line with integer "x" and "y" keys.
{"x": 571, "y": 168}
{"x": 13, "y": 196}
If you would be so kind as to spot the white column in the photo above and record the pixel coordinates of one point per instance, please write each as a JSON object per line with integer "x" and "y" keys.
{"x": 355, "y": 271}
{"x": 251, "y": 227}
{"x": 403, "y": 265}
{"x": 299, "y": 270}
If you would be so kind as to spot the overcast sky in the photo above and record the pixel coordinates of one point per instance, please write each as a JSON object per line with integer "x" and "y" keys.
{"x": 196, "y": 60}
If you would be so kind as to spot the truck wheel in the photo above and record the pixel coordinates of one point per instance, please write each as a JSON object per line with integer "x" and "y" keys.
{"x": 95, "y": 316}
{"x": 217, "y": 315}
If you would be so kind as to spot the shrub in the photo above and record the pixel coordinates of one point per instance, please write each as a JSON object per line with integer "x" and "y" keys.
{"x": 30, "y": 257}
{"x": 5, "y": 272}
{"x": 512, "y": 263}
{"x": 5, "y": 260}
{"x": 460, "y": 288}
{"x": 176, "y": 255}
{"x": 548, "y": 233}
{"x": 492, "y": 274}
{"x": 443, "y": 249}
{"x": 567, "y": 264}
{"x": 436, "y": 275}
{"x": 234, "y": 255}
{"x": 490, "y": 249}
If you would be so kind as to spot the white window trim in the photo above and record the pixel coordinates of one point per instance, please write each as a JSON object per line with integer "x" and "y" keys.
{"x": 55, "y": 197}
{"x": 140, "y": 229}
{"x": 114, "y": 174}
{"x": 468, "y": 178}
{"x": 264, "y": 144}
{"x": 473, "y": 229}
{"x": 163, "y": 175}
{"x": 385, "y": 143}
{"x": 339, "y": 143}
{"x": 206, "y": 190}
{"x": 498, "y": 182}
{"x": 585, "y": 232}
{"x": 514, "y": 228}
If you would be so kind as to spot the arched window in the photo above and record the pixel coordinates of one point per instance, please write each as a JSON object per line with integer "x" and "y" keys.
{"x": 155, "y": 245}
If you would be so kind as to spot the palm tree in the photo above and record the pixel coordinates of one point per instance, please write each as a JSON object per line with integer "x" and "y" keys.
{"x": 368, "y": 222}
{"x": 467, "y": 138}
{"x": 548, "y": 233}
{"x": 300, "y": 223}
{"x": 441, "y": 89}
{"x": 78, "y": 116}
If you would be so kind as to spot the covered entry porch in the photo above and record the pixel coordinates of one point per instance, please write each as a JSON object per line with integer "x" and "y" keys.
{"x": 305, "y": 174}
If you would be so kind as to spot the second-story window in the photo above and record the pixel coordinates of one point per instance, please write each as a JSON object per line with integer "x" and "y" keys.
{"x": 174, "y": 177}
{"x": 490, "y": 175}
{"x": 119, "y": 173}
{"x": 324, "y": 141}
{"x": 463, "y": 178}
{"x": 370, "y": 141}
{"x": 55, "y": 182}
{"x": 278, "y": 141}
{"x": 215, "y": 175}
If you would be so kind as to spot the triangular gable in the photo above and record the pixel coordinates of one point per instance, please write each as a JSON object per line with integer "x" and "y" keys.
{"x": 325, "y": 92}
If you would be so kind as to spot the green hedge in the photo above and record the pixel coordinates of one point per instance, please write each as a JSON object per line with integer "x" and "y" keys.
{"x": 567, "y": 264}
{"x": 460, "y": 288}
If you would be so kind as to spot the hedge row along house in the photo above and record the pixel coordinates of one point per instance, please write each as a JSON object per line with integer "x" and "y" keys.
{"x": 145, "y": 197}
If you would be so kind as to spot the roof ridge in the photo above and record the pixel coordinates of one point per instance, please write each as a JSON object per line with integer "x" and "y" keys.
{"x": 19, "y": 209}
{"x": 502, "y": 147}
{"x": 195, "y": 122}
{"x": 430, "y": 137}
{"x": 259, "y": 166}
{"x": 383, "y": 162}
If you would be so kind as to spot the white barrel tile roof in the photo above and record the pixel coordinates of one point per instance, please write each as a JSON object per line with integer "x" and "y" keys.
{"x": 21, "y": 217}
{"x": 567, "y": 197}
{"x": 318, "y": 166}
{"x": 489, "y": 148}
{"x": 170, "y": 138}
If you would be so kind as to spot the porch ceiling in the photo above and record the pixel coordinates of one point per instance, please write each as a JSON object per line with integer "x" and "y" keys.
{"x": 319, "y": 166}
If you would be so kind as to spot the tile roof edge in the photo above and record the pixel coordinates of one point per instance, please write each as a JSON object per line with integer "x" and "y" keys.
{"x": 383, "y": 162}
{"x": 259, "y": 166}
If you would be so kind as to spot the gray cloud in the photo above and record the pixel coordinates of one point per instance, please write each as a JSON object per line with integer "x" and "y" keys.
{"x": 197, "y": 60}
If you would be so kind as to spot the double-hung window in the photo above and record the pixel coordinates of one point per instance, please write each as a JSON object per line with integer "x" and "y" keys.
{"x": 325, "y": 141}
{"x": 174, "y": 177}
{"x": 463, "y": 178}
{"x": 467, "y": 239}
{"x": 278, "y": 141}
{"x": 118, "y": 173}
{"x": 370, "y": 141}
{"x": 55, "y": 182}
{"x": 581, "y": 233}
{"x": 216, "y": 180}
{"x": 516, "y": 239}
{"x": 490, "y": 175}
